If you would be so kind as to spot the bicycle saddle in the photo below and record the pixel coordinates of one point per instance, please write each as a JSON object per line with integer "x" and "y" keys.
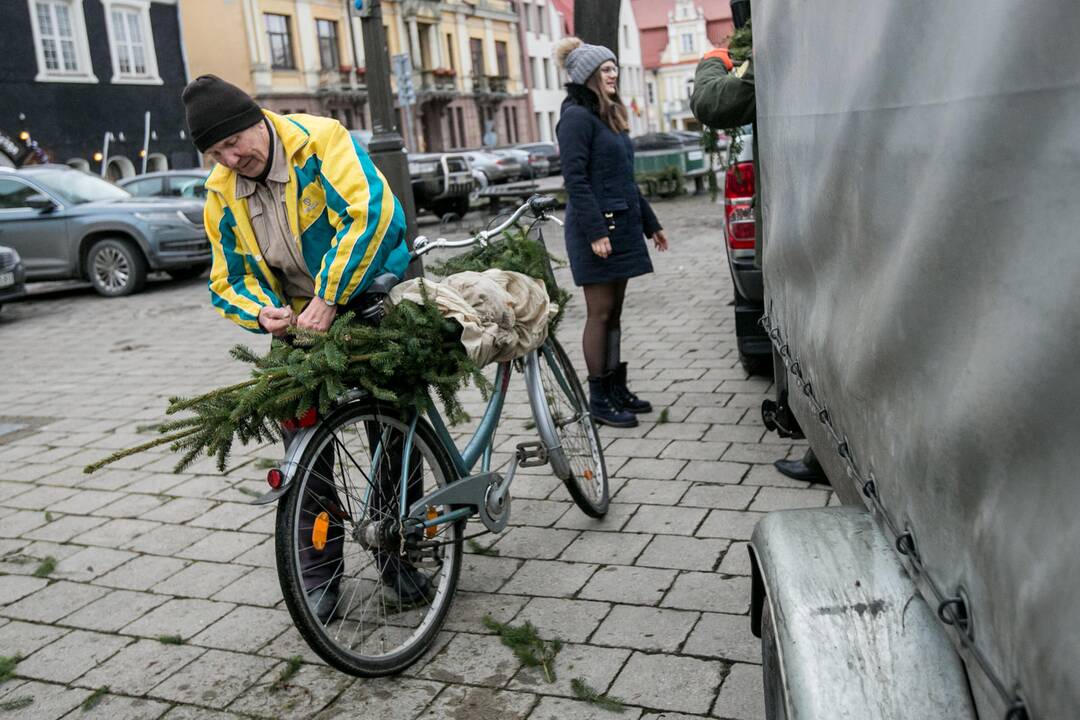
{"x": 369, "y": 304}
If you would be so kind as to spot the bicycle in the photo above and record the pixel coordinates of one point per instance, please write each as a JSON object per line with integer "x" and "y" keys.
{"x": 374, "y": 501}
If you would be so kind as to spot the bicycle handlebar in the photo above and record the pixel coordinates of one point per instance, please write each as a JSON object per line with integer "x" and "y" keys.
{"x": 538, "y": 204}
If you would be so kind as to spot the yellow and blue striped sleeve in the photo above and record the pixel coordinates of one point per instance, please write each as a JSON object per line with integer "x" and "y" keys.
{"x": 237, "y": 291}
{"x": 368, "y": 220}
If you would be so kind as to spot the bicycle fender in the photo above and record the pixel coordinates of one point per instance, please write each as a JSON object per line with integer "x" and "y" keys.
{"x": 289, "y": 466}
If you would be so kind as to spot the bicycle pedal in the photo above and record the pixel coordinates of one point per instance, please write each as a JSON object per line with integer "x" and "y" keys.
{"x": 531, "y": 454}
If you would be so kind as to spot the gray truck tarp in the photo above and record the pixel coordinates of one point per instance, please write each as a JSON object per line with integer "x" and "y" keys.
{"x": 922, "y": 266}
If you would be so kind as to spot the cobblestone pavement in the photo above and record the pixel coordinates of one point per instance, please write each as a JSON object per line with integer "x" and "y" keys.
{"x": 652, "y": 601}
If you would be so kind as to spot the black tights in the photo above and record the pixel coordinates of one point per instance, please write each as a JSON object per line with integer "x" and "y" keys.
{"x": 603, "y": 309}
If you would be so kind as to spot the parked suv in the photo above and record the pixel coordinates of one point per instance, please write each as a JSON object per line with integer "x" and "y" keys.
{"x": 755, "y": 350}
{"x": 68, "y": 224}
{"x": 441, "y": 182}
{"x": 12, "y": 275}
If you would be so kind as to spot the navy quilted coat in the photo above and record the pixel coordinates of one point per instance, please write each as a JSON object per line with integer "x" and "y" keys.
{"x": 602, "y": 197}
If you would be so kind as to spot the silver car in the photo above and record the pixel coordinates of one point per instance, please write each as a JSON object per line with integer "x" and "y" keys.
{"x": 168, "y": 183}
{"x": 67, "y": 224}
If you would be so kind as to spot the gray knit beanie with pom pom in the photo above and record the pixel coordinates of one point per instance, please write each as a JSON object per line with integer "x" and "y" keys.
{"x": 580, "y": 59}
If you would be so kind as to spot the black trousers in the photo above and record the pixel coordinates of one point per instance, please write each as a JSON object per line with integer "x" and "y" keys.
{"x": 323, "y": 568}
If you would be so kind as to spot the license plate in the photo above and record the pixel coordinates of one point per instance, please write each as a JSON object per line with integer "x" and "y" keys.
{"x": 694, "y": 155}
{"x": 7, "y": 279}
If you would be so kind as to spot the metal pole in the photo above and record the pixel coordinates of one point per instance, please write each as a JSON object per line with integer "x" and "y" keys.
{"x": 386, "y": 144}
{"x": 105, "y": 153}
{"x": 146, "y": 141}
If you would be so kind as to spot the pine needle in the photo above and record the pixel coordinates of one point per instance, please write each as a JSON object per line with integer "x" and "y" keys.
{"x": 95, "y": 697}
{"x": 527, "y": 645}
{"x": 7, "y": 667}
{"x": 413, "y": 354}
{"x": 17, "y": 703}
{"x": 45, "y": 567}
{"x": 582, "y": 691}
{"x": 292, "y": 666}
{"x": 478, "y": 549}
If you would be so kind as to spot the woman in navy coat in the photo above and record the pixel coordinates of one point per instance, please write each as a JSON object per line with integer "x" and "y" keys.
{"x": 607, "y": 219}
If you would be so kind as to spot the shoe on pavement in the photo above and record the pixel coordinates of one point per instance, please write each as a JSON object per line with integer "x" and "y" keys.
{"x": 806, "y": 469}
{"x": 324, "y": 603}
{"x": 623, "y": 395}
{"x": 604, "y": 407}
{"x": 409, "y": 584}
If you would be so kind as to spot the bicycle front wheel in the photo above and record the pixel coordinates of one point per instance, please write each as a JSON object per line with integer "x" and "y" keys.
{"x": 561, "y": 412}
{"x": 367, "y": 592}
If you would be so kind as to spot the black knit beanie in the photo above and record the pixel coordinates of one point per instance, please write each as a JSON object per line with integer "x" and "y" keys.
{"x": 217, "y": 109}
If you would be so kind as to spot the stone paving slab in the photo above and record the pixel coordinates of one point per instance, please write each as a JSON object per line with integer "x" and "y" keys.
{"x": 651, "y": 601}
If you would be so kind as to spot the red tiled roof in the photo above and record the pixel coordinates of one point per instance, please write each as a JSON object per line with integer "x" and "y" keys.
{"x": 654, "y": 13}
{"x": 652, "y": 19}
{"x": 566, "y": 7}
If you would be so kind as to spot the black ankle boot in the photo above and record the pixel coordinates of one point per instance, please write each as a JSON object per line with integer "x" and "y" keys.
{"x": 623, "y": 394}
{"x": 605, "y": 408}
{"x": 807, "y": 469}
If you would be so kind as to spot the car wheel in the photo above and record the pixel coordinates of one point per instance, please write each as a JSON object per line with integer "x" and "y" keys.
{"x": 458, "y": 206}
{"x": 188, "y": 273}
{"x": 116, "y": 267}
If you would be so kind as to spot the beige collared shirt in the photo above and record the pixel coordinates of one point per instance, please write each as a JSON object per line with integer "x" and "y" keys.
{"x": 269, "y": 219}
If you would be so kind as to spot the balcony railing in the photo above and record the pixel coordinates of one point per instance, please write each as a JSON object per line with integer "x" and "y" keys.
{"x": 436, "y": 81}
{"x": 489, "y": 84}
{"x": 344, "y": 79}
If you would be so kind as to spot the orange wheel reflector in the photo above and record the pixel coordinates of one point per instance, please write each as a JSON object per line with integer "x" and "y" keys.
{"x": 432, "y": 513}
{"x": 588, "y": 474}
{"x": 319, "y": 530}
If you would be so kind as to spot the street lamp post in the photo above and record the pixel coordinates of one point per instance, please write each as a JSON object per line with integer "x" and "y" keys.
{"x": 386, "y": 144}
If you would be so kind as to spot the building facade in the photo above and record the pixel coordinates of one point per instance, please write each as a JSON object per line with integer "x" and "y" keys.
{"x": 308, "y": 56}
{"x": 467, "y": 71}
{"x": 674, "y": 35}
{"x": 290, "y": 55}
{"x": 543, "y": 29}
{"x": 95, "y": 84}
{"x": 631, "y": 70}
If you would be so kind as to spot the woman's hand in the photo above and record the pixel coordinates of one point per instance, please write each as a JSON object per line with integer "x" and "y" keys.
{"x": 602, "y": 247}
{"x": 317, "y": 315}
{"x": 660, "y": 240}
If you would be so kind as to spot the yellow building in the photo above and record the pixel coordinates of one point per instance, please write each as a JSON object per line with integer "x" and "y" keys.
{"x": 308, "y": 56}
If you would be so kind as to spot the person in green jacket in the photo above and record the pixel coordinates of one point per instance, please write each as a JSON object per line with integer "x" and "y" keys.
{"x": 723, "y": 94}
{"x": 724, "y": 98}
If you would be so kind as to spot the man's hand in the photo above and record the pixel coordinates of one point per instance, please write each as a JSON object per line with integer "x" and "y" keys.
{"x": 602, "y": 247}
{"x": 275, "y": 320}
{"x": 317, "y": 315}
{"x": 660, "y": 240}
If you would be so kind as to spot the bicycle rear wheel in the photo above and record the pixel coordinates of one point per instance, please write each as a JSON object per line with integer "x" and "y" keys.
{"x": 561, "y": 412}
{"x": 382, "y": 588}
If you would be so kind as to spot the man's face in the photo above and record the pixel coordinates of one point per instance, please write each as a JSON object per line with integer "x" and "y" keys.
{"x": 245, "y": 152}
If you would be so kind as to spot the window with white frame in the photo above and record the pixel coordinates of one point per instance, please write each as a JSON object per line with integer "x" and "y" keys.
{"x": 687, "y": 43}
{"x": 328, "y": 44}
{"x": 131, "y": 42}
{"x": 59, "y": 32}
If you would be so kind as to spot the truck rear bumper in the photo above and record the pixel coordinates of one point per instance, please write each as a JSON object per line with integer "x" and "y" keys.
{"x": 854, "y": 638}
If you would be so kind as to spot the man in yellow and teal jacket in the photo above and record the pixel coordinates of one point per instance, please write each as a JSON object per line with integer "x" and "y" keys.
{"x": 299, "y": 218}
{"x": 300, "y": 222}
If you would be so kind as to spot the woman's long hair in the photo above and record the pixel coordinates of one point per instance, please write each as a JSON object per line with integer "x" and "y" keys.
{"x": 612, "y": 111}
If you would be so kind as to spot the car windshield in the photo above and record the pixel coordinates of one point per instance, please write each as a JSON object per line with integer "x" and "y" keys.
{"x": 76, "y": 188}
